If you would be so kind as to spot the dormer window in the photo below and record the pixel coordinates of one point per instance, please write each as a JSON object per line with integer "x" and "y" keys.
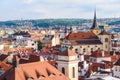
{"x": 41, "y": 76}
{"x": 30, "y": 78}
{"x": 52, "y": 74}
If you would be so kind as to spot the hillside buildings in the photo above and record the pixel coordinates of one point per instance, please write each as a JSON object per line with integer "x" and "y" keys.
{"x": 58, "y": 54}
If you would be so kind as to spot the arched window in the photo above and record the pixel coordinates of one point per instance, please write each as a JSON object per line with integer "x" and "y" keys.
{"x": 30, "y": 78}
{"x": 91, "y": 50}
{"x": 106, "y": 39}
{"x": 73, "y": 69}
{"x": 76, "y": 50}
{"x": 84, "y": 50}
{"x": 63, "y": 70}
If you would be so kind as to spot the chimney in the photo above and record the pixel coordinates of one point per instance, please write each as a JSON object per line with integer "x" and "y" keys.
{"x": 41, "y": 59}
{"x": 16, "y": 61}
{"x": 103, "y": 53}
{"x": 114, "y": 53}
{"x": 10, "y": 59}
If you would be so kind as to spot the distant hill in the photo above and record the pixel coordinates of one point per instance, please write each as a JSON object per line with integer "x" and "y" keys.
{"x": 44, "y": 22}
{"x": 115, "y": 23}
{"x": 56, "y": 22}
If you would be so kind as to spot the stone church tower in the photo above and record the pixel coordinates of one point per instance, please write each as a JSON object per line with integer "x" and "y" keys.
{"x": 68, "y": 64}
{"x": 95, "y": 29}
{"x": 106, "y": 40}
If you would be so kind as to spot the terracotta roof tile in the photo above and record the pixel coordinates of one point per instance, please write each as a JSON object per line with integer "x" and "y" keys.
{"x": 98, "y": 53}
{"x": 4, "y": 66}
{"x": 104, "y": 33}
{"x": 3, "y": 57}
{"x": 118, "y": 62}
{"x": 34, "y": 70}
{"x": 81, "y": 35}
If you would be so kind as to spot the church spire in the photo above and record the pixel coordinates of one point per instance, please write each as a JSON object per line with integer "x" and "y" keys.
{"x": 94, "y": 21}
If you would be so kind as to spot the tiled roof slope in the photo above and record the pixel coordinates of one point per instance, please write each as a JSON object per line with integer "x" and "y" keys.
{"x": 94, "y": 41}
{"x": 117, "y": 63}
{"x": 3, "y": 57}
{"x": 4, "y": 66}
{"x": 35, "y": 70}
{"x": 98, "y": 53}
{"x": 81, "y": 35}
{"x": 104, "y": 33}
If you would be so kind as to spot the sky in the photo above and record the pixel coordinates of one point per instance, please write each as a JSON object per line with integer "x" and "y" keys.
{"x": 42, "y": 9}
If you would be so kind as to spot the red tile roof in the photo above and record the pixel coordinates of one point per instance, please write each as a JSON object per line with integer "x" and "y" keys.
{"x": 81, "y": 35}
{"x": 104, "y": 33}
{"x": 3, "y": 57}
{"x": 4, "y": 66}
{"x": 117, "y": 63}
{"x": 36, "y": 70}
{"x": 98, "y": 53}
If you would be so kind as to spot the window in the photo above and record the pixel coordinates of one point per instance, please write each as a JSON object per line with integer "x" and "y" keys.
{"x": 30, "y": 78}
{"x": 32, "y": 44}
{"x": 115, "y": 68}
{"x": 84, "y": 50}
{"x": 63, "y": 70}
{"x": 94, "y": 60}
{"x": 76, "y": 50}
{"x": 91, "y": 59}
{"x": 73, "y": 72}
{"x": 41, "y": 76}
{"x": 106, "y": 46}
{"x": 91, "y": 49}
{"x": 106, "y": 39}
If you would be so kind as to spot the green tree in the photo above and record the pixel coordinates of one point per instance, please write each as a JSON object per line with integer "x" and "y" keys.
{"x": 39, "y": 45}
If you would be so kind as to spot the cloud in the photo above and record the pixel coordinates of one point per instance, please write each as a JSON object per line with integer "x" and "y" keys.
{"x": 28, "y": 1}
{"x": 58, "y": 8}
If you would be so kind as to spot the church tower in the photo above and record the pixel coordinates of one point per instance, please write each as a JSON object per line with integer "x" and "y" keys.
{"x": 95, "y": 29}
{"x": 68, "y": 64}
{"x": 106, "y": 40}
